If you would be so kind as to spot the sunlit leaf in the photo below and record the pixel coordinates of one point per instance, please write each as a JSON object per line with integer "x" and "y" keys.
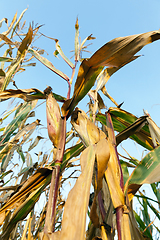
{"x": 72, "y": 152}
{"x": 122, "y": 49}
{"x": 85, "y": 81}
{"x": 154, "y": 129}
{"x": 34, "y": 183}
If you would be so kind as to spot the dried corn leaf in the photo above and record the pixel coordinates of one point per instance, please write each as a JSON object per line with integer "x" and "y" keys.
{"x": 35, "y": 182}
{"x": 17, "y": 23}
{"x": 112, "y": 175}
{"x": 6, "y": 39}
{"x": 121, "y": 50}
{"x": 26, "y": 94}
{"x": 6, "y": 59}
{"x": 3, "y": 20}
{"x": 35, "y": 143}
{"x": 154, "y": 130}
{"x": 74, "y": 217}
{"x": 11, "y": 25}
{"x": 21, "y": 113}
{"x": 26, "y": 41}
{"x": 48, "y": 64}
{"x": 30, "y": 197}
{"x": 62, "y": 54}
{"x": 85, "y": 81}
{"x": 115, "y": 53}
{"x": 102, "y": 157}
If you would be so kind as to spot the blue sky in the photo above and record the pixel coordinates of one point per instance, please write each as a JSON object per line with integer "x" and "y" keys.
{"x": 137, "y": 84}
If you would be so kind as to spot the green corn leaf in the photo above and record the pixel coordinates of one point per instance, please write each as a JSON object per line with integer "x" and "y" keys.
{"x": 72, "y": 152}
{"x": 13, "y": 67}
{"x": 142, "y": 226}
{"x": 6, "y": 59}
{"x": 123, "y": 120}
{"x": 155, "y": 188}
{"x": 20, "y": 115}
{"x": 146, "y": 172}
{"x": 22, "y": 211}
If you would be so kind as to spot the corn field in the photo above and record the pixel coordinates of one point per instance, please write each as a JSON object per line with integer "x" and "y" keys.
{"x": 100, "y": 203}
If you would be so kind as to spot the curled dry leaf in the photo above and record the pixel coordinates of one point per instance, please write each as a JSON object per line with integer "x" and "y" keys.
{"x": 26, "y": 94}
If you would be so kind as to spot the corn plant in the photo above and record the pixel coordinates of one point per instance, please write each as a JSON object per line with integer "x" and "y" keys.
{"x": 89, "y": 147}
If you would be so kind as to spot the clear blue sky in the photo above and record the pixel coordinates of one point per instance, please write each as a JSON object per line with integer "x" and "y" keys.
{"x": 137, "y": 84}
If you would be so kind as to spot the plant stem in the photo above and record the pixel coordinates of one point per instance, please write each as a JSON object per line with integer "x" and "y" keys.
{"x": 119, "y": 215}
{"x": 58, "y": 162}
{"x": 101, "y": 206}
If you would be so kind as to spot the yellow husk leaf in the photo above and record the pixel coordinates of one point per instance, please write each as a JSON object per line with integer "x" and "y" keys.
{"x": 86, "y": 129}
{"x": 112, "y": 175}
{"x": 53, "y": 119}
